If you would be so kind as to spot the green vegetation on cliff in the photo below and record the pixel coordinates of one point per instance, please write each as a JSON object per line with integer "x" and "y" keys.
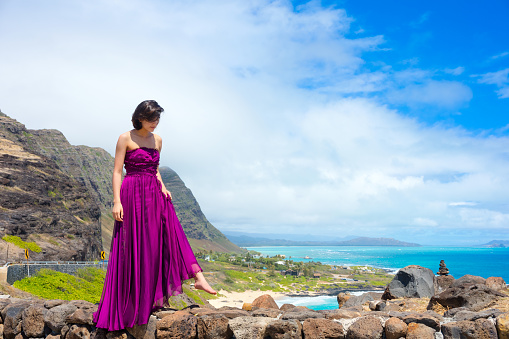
{"x": 32, "y": 246}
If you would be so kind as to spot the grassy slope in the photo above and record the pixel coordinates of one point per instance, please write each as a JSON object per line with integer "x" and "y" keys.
{"x": 231, "y": 277}
{"x": 86, "y": 285}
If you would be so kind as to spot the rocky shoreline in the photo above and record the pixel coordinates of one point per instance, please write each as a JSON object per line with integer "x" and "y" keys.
{"x": 416, "y": 304}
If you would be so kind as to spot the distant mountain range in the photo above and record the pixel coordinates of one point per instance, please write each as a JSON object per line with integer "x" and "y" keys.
{"x": 250, "y": 241}
{"x": 497, "y": 243}
{"x": 290, "y": 236}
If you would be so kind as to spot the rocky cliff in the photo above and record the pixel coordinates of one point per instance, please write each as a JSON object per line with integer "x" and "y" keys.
{"x": 90, "y": 166}
{"x": 40, "y": 202}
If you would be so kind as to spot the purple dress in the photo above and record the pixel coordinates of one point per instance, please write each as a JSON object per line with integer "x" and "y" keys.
{"x": 150, "y": 255}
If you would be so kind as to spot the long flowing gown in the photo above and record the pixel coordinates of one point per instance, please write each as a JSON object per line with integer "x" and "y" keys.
{"x": 150, "y": 255}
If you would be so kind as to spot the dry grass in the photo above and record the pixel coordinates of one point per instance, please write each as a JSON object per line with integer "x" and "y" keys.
{"x": 10, "y": 148}
{"x": 416, "y": 304}
{"x": 438, "y": 308}
{"x": 501, "y": 304}
{"x": 14, "y": 292}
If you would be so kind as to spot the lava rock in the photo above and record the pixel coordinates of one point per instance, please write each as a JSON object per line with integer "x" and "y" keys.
{"x": 322, "y": 328}
{"x": 419, "y": 331}
{"x": 264, "y": 301}
{"x": 411, "y": 282}
{"x": 249, "y": 327}
{"x": 395, "y": 328}
{"x": 214, "y": 326}
{"x": 471, "y": 296}
{"x": 479, "y": 329}
{"x": 366, "y": 328}
{"x": 284, "y": 329}
{"x": 442, "y": 283}
{"x": 55, "y": 317}
{"x": 179, "y": 325}
{"x": 503, "y": 326}
{"x": 496, "y": 283}
{"x": 33, "y": 321}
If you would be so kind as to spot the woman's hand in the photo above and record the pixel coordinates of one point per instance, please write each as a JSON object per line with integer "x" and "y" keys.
{"x": 166, "y": 193}
{"x": 118, "y": 211}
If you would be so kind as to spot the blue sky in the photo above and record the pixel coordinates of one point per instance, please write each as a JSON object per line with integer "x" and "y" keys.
{"x": 455, "y": 41}
{"x": 385, "y": 119}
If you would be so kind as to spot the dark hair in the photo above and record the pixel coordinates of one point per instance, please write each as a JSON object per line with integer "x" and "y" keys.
{"x": 148, "y": 110}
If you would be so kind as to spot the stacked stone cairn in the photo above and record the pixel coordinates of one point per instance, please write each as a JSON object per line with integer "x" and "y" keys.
{"x": 461, "y": 309}
{"x": 443, "y": 270}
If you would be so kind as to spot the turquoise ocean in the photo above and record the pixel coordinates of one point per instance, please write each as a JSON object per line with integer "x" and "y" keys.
{"x": 484, "y": 262}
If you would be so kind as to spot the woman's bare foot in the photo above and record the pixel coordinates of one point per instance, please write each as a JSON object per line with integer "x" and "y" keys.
{"x": 201, "y": 284}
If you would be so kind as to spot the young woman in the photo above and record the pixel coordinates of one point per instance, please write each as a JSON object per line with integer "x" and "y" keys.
{"x": 150, "y": 255}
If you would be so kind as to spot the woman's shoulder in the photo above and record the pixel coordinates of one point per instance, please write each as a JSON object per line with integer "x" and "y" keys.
{"x": 157, "y": 137}
{"x": 125, "y": 136}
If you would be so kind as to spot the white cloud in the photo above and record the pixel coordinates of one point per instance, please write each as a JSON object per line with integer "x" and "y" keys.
{"x": 500, "y": 55}
{"x": 455, "y": 71}
{"x": 503, "y": 92}
{"x": 258, "y": 121}
{"x": 423, "y": 18}
{"x": 500, "y": 79}
{"x": 447, "y": 94}
{"x": 483, "y": 218}
{"x": 425, "y": 222}
{"x": 462, "y": 203}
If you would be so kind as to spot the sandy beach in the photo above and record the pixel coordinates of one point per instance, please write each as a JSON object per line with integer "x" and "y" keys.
{"x": 237, "y": 299}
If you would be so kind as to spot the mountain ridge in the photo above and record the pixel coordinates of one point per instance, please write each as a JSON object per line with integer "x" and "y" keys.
{"x": 246, "y": 241}
{"x": 497, "y": 243}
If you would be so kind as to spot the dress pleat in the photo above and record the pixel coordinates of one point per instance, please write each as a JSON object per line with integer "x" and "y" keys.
{"x": 150, "y": 255}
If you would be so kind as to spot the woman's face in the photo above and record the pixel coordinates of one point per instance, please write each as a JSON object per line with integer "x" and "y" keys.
{"x": 149, "y": 125}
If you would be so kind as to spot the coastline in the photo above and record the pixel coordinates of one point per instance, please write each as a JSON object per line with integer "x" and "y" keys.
{"x": 461, "y": 260}
{"x": 237, "y": 299}
{"x": 386, "y": 259}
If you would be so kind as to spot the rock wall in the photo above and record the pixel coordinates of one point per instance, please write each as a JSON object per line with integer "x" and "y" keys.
{"x": 90, "y": 166}
{"x": 63, "y": 319}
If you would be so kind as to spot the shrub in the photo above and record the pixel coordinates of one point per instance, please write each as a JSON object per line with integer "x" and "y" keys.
{"x": 32, "y": 246}
{"x": 51, "y": 284}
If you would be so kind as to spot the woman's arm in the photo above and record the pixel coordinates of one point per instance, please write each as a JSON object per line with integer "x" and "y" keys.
{"x": 163, "y": 188}
{"x": 159, "y": 146}
{"x": 118, "y": 211}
